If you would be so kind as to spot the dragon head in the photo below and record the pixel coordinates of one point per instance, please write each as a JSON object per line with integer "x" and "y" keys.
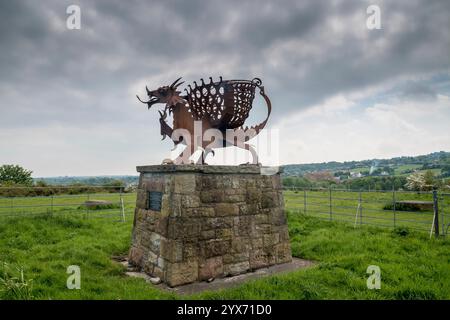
{"x": 166, "y": 94}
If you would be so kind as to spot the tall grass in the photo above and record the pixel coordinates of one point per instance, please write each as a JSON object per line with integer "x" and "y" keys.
{"x": 13, "y": 283}
{"x": 412, "y": 265}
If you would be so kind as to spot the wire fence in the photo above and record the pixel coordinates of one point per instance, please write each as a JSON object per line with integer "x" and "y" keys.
{"x": 424, "y": 211}
{"x": 95, "y": 203}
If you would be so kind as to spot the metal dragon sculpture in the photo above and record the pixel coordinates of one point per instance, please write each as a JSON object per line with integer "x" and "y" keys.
{"x": 223, "y": 105}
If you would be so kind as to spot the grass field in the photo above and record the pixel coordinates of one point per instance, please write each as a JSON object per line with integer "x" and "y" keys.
{"x": 65, "y": 204}
{"x": 344, "y": 207}
{"x": 43, "y": 246}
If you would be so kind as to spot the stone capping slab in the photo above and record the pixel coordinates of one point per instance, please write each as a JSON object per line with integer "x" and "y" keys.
{"x": 241, "y": 169}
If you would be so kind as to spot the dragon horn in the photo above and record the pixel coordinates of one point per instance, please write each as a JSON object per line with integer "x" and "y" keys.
{"x": 148, "y": 91}
{"x": 179, "y": 84}
{"x": 175, "y": 82}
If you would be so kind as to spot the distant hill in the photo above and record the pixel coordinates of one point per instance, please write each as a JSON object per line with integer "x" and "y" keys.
{"x": 439, "y": 162}
{"x": 88, "y": 180}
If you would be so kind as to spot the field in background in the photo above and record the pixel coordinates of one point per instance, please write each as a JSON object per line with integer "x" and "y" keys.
{"x": 357, "y": 208}
{"x": 369, "y": 207}
{"x": 60, "y": 205}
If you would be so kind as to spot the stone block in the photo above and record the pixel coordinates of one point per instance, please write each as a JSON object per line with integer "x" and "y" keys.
{"x": 191, "y": 250}
{"x": 236, "y": 268}
{"x": 283, "y": 252}
{"x": 183, "y": 228}
{"x": 217, "y": 223}
{"x": 226, "y": 209}
{"x": 141, "y": 199}
{"x": 158, "y": 272}
{"x": 269, "y": 200}
{"x": 212, "y": 196}
{"x": 155, "y": 241}
{"x": 225, "y": 233}
{"x": 240, "y": 244}
{"x": 199, "y": 212}
{"x": 190, "y": 201}
{"x": 136, "y": 256}
{"x": 207, "y": 234}
{"x": 257, "y": 243}
{"x": 213, "y": 248}
{"x": 271, "y": 239}
{"x": 152, "y": 258}
{"x": 172, "y": 250}
{"x": 210, "y": 268}
{"x": 253, "y": 196}
{"x": 181, "y": 273}
{"x": 258, "y": 259}
{"x": 184, "y": 184}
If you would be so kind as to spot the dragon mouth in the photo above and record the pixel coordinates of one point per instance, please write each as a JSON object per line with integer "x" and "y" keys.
{"x": 150, "y": 102}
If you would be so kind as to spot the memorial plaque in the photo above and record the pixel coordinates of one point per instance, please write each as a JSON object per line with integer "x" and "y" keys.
{"x": 154, "y": 200}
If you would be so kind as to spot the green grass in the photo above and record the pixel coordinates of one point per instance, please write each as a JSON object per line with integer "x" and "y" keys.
{"x": 399, "y": 170}
{"x": 344, "y": 206}
{"x": 45, "y": 246}
{"x": 65, "y": 204}
{"x": 412, "y": 266}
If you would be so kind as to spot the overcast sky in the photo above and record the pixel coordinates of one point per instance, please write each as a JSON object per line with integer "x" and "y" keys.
{"x": 339, "y": 90}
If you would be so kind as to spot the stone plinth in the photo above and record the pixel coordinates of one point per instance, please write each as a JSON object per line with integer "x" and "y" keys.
{"x": 194, "y": 222}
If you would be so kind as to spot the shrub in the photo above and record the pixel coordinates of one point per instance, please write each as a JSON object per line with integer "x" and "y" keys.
{"x": 14, "y": 285}
{"x": 401, "y": 231}
{"x": 402, "y": 207}
{"x": 101, "y": 206}
{"x": 14, "y": 174}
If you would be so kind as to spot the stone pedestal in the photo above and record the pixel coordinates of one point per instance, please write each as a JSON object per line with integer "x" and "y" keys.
{"x": 194, "y": 222}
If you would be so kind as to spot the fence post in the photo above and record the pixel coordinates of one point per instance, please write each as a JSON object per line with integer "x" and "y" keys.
{"x": 436, "y": 213}
{"x": 122, "y": 206}
{"x": 51, "y": 208}
{"x": 442, "y": 214}
{"x": 304, "y": 201}
{"x": 87, "y": 206}
{"x": 331, "y": 206}
{"x": 393, "y": 206}
{"x": 360, "y": 207}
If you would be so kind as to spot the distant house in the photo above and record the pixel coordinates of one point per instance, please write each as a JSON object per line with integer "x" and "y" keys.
{"x": 355, "y": 175}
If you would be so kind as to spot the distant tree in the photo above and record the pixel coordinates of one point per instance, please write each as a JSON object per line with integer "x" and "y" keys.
{"x": 415, "y": 181}
{"x": 14, "y": 174}
{"x": 445, "y": 171}
{"x": 422, "y": 181}
{"x": 430, "y": 180}
{"x": 41, "y": 184}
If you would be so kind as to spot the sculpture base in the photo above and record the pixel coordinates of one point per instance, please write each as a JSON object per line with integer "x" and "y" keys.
{"x": 197, "y": 222}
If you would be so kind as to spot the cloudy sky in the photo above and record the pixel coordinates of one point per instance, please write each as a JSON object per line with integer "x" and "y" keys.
{"x": 339, "y": 90}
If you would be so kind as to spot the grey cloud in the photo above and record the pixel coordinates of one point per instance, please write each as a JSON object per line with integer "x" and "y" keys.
{"x": 53, "y": 75}
{"x": 418, "y": 91}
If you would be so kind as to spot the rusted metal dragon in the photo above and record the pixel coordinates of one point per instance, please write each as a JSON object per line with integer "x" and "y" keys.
{"x": 223, "y": 105}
